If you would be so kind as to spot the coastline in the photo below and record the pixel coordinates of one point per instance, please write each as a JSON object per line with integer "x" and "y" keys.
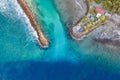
{"x": 101, "y": 15}
{"x": 43, "y": 40}
{"x": 80, "y": 37}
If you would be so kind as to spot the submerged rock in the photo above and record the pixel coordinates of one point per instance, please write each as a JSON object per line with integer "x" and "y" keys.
{"x": 71, "y": 11}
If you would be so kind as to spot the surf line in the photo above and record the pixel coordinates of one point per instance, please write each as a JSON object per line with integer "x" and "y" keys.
{"x": 43, "y": 40}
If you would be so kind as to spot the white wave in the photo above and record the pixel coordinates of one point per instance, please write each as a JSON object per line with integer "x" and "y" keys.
{"x": 12, "y": 10}
{"x": 21, "y": 13}
{"x": 3, "y": 5}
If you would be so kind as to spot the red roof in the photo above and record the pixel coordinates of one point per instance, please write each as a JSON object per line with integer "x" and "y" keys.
{"x": 100, "y": 10}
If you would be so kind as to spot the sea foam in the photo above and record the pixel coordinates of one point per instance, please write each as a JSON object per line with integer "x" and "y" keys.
{"x": 7, "y": 10}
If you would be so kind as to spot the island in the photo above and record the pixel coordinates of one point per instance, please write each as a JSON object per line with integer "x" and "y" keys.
{"x": 43, "y": 40}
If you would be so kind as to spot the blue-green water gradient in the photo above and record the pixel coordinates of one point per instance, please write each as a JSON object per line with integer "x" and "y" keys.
{"x": 21, "y": 58}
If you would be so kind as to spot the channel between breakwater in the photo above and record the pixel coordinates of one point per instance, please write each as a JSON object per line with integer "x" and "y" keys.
{"x": 43, "y": 40}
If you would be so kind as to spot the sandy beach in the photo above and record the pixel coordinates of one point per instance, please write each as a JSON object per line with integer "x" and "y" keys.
{"x": 43, "y": 40}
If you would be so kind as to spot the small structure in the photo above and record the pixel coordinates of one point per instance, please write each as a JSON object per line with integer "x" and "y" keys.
{"x": 91, "y": 17}
{"x": 81, "y": 29}
{"x": 107, "y": 14}
{"x": 78, "y": 29}
{"x": 100, "y": 11}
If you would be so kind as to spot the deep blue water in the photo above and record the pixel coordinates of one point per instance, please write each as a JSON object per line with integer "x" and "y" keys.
{"x": 56, "y": 71}
{"x": 66, "y": 59}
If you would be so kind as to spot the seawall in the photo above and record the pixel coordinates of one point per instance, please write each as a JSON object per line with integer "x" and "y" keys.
{"x": 43, "y": 40}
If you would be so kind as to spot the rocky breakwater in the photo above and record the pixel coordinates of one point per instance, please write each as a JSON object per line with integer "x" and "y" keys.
{"x": 44, "y": 42}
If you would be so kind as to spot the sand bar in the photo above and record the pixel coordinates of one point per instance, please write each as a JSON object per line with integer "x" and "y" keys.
{"x": 44, "y": 41}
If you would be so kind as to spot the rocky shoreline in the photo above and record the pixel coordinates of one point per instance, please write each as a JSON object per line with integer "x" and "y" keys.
{"x": 108, "y": 33}
{"x": 71, "y": 11}
{"x": 76, "y": 36}
{"x": 43, "y": 40}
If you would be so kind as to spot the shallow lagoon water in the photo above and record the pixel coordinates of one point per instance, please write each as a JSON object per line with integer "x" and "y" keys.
{"x": 66, "y": 59}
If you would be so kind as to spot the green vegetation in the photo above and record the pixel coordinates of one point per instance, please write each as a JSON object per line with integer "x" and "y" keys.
{"x": 92, "y": 11}
{"x": 91, "y": 22}
{"x": 102, "y": 17}
{"x": 112, "y": 5}
{"x": 91, "y": 1}
{"x": 98, "y": 1}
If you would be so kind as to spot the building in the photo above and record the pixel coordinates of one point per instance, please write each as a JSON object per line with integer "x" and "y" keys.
{"x": 100, "y": 11}
{"x": 78, "y": 29}
{"x": 107, "y": 14}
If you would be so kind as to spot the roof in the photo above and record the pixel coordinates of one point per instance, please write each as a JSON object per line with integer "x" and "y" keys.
{"x": 81, "y": 29}
{"x": 100, "y": 10}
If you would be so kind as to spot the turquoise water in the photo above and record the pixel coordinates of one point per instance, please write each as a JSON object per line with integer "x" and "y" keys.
{"x": 52, "y": 20}
{"x": 16, "y": 41}
{"x": 66, "y": 59}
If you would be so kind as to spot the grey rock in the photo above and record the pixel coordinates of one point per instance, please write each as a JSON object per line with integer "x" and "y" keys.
{"x": 71, "y": 11}
{"x": 108, "y": 33}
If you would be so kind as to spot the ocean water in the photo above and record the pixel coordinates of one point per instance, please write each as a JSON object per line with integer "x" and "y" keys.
{"x": 21, "y": 58}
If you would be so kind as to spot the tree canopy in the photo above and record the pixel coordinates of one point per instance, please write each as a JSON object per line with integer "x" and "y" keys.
{"x": 98, "y": 1}
{"x": 112, "y": 5}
